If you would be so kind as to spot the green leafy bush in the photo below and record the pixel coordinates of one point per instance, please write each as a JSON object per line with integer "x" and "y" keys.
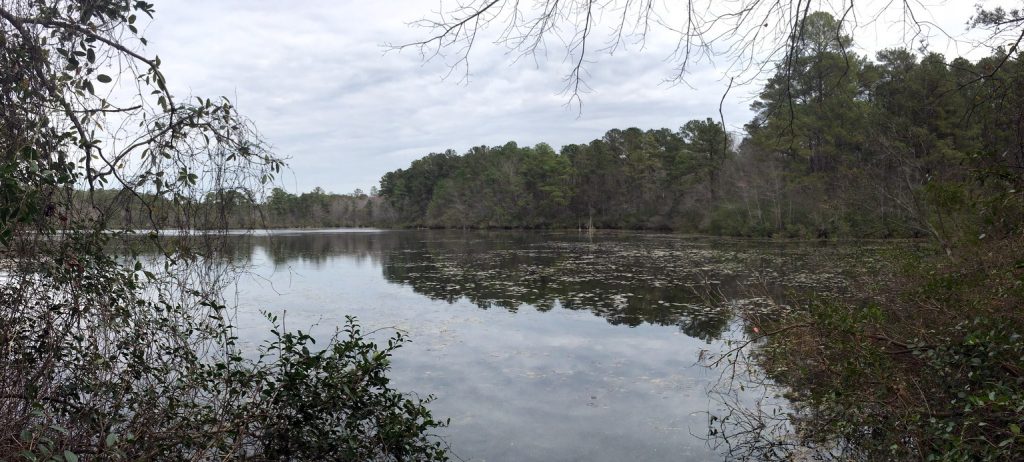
{"x": 106, "y": 356}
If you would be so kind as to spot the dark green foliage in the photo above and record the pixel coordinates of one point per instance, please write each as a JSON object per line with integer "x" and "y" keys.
{"x": 628, "y": 179}
{"x": 841, "y": 146}
{"x": 929, "y": 367}
{"x": 932, "y": 368}
{"x": 927, "y": 375}
{"x": 984, "y": 390}
{"x": 337, "y": 402}
{"x": 125, "y": 209}
{"x": 108, "y": 356}
{"x": 146, "y": 391}
{"x": 410, "y": 193}
{"x": 318, "y": 208}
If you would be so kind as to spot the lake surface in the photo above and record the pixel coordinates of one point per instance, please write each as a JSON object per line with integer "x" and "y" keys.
{"x": 544, "y": 346}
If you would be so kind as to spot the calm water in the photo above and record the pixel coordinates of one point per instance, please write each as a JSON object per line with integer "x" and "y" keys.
{"x": 542, "y": 346}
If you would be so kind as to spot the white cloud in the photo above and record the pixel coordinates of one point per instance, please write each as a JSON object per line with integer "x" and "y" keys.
{"x": 315, "y": 79}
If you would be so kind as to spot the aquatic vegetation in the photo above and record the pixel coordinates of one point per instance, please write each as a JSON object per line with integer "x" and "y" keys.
{"x": 698, "y": 284}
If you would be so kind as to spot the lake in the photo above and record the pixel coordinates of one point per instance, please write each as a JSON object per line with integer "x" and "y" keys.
{"x": 546, "y": 345}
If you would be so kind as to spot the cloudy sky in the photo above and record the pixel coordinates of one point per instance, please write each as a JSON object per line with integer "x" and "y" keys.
{"x": 315, "y": 78}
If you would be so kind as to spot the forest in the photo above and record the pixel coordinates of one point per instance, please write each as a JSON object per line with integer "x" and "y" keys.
{"x": 926, "y": 362}
{"x": 238, "y": 209}
{"x": 109, "y": 354}
{"x": 901, "y": 145}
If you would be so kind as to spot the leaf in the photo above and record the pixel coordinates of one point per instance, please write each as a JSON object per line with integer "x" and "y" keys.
{"x": 104, "y": 78}
{"x": 70, "y": 456}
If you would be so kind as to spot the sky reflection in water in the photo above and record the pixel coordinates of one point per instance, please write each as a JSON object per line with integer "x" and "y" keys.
{"x": 540, "y": 346}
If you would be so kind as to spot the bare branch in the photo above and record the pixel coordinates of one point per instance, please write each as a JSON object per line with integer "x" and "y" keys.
{"x": 745, "y": 38}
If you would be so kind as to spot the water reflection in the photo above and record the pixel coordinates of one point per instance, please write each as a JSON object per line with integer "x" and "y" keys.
{"x": 541, "y": 346}
{"x": 621, "y": 281}
{"x": 626, "y": 278}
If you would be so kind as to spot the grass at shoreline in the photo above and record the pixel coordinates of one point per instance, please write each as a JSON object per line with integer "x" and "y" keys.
{"x": 931, "y": 369}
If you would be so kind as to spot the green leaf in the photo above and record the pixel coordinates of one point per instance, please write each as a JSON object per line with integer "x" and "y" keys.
{"x": 104, "y": 78}
{"x": 70, "y": 456}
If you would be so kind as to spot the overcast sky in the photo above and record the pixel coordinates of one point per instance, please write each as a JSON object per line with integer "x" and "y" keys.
{"x": 314, "y": 77}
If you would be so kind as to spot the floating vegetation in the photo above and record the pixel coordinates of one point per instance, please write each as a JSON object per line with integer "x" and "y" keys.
{"x": 697, "y": 284}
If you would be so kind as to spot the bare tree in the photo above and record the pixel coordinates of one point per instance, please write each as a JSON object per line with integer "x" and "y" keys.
{"x": 745, "y": 38}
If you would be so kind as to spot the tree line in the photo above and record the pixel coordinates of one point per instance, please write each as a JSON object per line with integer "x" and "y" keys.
{"x": 237, "y": 208}
{"x": 905, "y": 145}
{"x": 114, "y": 348}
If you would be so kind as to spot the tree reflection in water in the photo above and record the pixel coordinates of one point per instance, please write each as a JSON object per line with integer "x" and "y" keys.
{"x": 706, "y": 288}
